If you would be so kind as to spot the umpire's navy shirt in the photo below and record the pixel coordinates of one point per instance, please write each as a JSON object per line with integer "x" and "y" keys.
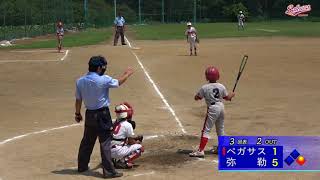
{"x": 93, "y": 89}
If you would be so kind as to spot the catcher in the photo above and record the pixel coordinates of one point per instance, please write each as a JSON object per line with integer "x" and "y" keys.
{"x": 192, "y": 38}
{"x": 60, "y": 34}
{"x": 126, "y": 146}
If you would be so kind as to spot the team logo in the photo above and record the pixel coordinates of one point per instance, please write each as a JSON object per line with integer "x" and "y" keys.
{"x": 298, "y": 10}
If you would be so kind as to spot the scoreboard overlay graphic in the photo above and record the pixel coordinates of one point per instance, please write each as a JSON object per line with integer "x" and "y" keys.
{"x": 269, "y": 153}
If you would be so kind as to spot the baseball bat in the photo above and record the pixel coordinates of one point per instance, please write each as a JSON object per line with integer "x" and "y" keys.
{"x": 242, "y": 66}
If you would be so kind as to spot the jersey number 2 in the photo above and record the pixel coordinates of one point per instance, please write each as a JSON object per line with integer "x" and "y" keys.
{"x": 216, "y": 93}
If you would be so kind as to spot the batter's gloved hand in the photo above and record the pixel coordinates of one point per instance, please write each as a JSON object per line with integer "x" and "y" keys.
{"x": 78, "y": 117}
{"x": 139, "y": 138}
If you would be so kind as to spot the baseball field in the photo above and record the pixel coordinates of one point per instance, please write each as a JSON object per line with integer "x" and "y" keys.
{"x": 278, "y": 94}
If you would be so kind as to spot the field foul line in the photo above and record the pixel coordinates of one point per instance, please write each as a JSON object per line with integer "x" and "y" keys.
{"x": 15, "y": 61}
{"x": 38, "y": 60}
{"x": 37, "y": 132}
{"x": 57, "y": 128}
{"x": 143, "y": 174}
{"x": 212, "y": 161}
{"x": 157, "y": 90}
{"x": 65, "y": 55}
{"x": 32, "y": 51}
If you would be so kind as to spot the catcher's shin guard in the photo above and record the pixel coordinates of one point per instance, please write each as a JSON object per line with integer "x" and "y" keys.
{"x": 132, "y": 156}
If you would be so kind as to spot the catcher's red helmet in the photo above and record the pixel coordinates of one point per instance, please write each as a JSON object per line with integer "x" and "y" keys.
{"x": 124, "y": 111}
{"x": 212, "y": 73}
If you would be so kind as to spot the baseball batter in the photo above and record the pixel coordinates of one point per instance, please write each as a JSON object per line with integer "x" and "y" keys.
{"x": 213, "y": 93}
{"x": 191, "y": 34}
{"x": 241, "y": 19}
{"x": 60, "y": 34}
{"x": 126, "y": 146}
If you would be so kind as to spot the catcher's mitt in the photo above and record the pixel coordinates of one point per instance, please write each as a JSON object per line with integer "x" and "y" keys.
{"x": 133, "y": 123}
{"x": 197, "y": 40}
{"x": 139, "y": 138}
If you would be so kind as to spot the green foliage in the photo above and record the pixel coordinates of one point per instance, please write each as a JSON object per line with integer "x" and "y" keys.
{"x": 20, "y": 18}
{"x": 88, "y": 37}
{"x": 129, "y": 14}
{"x": 231, "y": 11}
{"x": 100, "y": 13}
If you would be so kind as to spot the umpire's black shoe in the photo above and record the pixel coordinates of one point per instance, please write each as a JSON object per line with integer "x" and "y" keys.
{"x": 80, "y": 170}
{"x": 124, "y": 44}
{"x": 107, "y": 175}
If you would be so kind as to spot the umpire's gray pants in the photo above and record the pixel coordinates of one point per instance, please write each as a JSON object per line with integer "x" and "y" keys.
{"x": 98, "y": 123}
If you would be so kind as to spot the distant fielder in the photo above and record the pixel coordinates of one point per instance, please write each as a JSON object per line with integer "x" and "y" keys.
{"x": 60, "y": 34}
{"x": 213, "y": 93}
{"x": 241, "y": 19}
{"x": 126, "y": 146}
{"x": 192, "y": 38}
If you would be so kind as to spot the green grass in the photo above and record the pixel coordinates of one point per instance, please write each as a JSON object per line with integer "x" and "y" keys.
{"x": 223, "y": 30}
{"x": 89, "y": 37}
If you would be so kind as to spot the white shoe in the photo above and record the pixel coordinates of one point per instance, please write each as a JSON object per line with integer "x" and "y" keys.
{"x": 199, "y": 154}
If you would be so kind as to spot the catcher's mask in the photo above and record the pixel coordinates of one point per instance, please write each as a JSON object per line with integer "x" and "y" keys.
{"x": 124, "y": 111}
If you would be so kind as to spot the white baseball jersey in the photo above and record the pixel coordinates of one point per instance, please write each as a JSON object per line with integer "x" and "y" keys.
{"x": 191, "y": 33}
{"x": 240, "y": 17}
{"x": 60, "y": 31}
{"x": 122, "y": 131}
{"x": 213, "y": 93}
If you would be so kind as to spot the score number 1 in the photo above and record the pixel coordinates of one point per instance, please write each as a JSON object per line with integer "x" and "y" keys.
{"x": 275, "y": 161}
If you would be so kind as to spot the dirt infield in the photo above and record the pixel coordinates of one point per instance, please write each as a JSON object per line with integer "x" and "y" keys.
{"x": 277, "y": 95}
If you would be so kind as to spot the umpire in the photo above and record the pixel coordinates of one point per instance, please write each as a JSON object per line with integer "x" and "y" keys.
{"x": 119, "y": 26}
{"x": 93, "y": 90}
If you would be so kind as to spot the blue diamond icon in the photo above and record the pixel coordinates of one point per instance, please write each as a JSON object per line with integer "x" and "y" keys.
{"x": 289, "y": 160}
{"x": 295, "y": 154}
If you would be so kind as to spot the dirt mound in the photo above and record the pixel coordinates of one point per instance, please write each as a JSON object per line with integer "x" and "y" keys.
{"x": 165, "y": 152}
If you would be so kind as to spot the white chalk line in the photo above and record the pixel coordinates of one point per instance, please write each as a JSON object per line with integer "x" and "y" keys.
{"x": 268, "y": 30}
{"x": 26, "y": 61}
{"x": 209, "y": 161}
{"x": 32, "y": 51}
{"x": 36, "y": 132}
{"x": 157, "y": 89}
{"x": 57, "y": 128}
{"x": 38, "y": 60}
{"x": 65, "y": 55}
{"x": 144, "y": 174}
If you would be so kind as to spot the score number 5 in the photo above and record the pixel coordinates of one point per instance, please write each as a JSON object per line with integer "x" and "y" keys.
{"x": 275, "y": 161}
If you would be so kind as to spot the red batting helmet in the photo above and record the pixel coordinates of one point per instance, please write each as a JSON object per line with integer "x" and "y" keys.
{"x": 212, "y": 73}
{"x": 124, "y": 111}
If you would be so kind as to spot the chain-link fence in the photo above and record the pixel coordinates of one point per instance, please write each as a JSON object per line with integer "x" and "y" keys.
{"x": 27, "y": 18}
